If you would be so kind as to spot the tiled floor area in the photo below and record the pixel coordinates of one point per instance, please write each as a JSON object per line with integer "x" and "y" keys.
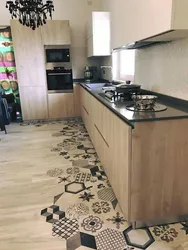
{"x": 55, "y": 195}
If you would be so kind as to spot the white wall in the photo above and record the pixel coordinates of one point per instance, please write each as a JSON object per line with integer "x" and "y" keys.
{"x": 164, "y": 68}
{"x": 77, "y": 12}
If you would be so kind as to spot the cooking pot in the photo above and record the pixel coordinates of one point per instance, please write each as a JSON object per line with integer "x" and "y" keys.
{"x": 127, "y": 88}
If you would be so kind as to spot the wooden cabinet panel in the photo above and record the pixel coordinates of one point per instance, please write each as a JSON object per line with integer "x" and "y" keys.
{"x": 29, "y": 55}
{"x": 101, "y": 146}
{"x": 61, "y": 105}
{"x": 102, "y": 118}
{"x": 34, "y": 102}
{"x": 98, "y": 37}
{"x": 56, "y": 32}
{"x": 111, "y": 138}
{"x": 77, "y": 101}
{"x": 120, "y": 162}
{"x": 159, "y": 170}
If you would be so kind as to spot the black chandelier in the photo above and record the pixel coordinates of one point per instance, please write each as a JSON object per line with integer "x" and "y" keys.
{"x": 32, "y": 13}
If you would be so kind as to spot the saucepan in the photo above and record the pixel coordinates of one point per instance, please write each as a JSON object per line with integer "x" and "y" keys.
{"x": 127, "y": 88}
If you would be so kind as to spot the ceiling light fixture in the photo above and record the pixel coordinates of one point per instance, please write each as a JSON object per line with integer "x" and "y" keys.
{"x": 32, "y": 13}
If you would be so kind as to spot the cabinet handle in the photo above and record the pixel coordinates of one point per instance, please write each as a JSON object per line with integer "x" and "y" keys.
{"x": 85, "y": 109}
{"x": 101, "y": 135}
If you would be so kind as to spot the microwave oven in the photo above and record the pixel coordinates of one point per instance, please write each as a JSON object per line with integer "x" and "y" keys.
{"x": 57, "y": 55}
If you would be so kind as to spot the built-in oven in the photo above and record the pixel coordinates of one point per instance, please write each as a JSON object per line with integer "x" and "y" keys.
{"x": 59, "y": 80}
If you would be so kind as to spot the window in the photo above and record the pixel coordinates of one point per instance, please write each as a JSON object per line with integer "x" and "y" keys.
{"x": 123, "y": 63}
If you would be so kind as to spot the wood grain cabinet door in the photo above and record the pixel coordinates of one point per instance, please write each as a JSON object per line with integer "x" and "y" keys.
{"x": 61, "y": 105}
{"x": 56, "y": 32}
{"x": 120, "y": 162}
{"x": 77, "y": 100}
{"x": 29, "y": 55}
{"x": 34, "y": 102}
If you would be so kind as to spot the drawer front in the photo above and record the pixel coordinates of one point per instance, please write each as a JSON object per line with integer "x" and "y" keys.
{"x": 102, "y": 148}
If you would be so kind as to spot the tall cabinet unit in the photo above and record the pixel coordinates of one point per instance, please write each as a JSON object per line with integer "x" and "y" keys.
{"x": 98, "y": 34}
{"x": 135, "y": 20}
{"x": 36, "y": 102}
{"x": 30, "y": 65}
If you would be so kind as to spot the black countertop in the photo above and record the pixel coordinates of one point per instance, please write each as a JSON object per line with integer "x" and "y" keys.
{"x": 175, "y": 110}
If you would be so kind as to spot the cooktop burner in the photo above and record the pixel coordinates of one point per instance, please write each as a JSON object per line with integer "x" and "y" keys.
{"x": 157, "y": 108}
{"x": 113, "y": 96}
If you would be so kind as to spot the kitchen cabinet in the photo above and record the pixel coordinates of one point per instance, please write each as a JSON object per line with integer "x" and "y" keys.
{"x": 31, "y": 69}
{"x": 146, "y": 166}
{"x": 33, "y": 102}
{"x": 30, "y": 66}
{"x": 98, "y": 34}
{"x": 144, "y": 20}
{"x": 61, "y": 105}
{"x": 86, "y": 110}
{"x": 111, "y": 139}
{"x": 77, "y": 101}
{"x": 56, "y": 32}
{"x": 29, "y": 55}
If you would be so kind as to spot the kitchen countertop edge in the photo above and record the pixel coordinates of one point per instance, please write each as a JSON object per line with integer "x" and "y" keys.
{"x": 122, "y": 117}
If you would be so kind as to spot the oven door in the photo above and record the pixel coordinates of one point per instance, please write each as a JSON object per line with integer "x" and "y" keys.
{"x": 60, "y": 81}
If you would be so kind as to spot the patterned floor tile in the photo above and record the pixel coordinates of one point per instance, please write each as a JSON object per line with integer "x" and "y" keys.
{"x": 75, "y": 187}
{"x": 169, "y": 234}
{"x": 52, "y": 214}
{"x": 83, "y": 177}
{"x": 91, "y": 224}
{"x": 185, "y": 226}
{"x": 106, "y": 194}
{"x": 118, "y": 220}
{"x": 73, "y": 242}
{"x": 110, "y": 239}
{"x": 88, "y": 240}
{"x": 75, "y": 211}
{"x": 89, "y": 198}
{"x": 141, "y": 238}
{"x": 65, "y": 228}
{"x": 100, "y": 207}
{"x": 57, "y": 197}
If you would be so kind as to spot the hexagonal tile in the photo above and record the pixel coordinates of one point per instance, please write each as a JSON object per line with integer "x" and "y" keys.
{"x": 65, "y": 228}
{"x": 140, "y": 238}
{"x": 110, "y": 239}
{"x": 74, "y": 187}
{"x": 88, "y": 240}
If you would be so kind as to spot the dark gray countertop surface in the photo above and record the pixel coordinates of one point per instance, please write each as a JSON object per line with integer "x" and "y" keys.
{"x": 173, "y": 111}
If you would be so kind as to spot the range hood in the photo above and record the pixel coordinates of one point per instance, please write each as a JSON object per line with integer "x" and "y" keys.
{"x": 161, "y": 38}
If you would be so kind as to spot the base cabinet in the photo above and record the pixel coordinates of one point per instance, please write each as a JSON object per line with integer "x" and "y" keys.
{"x": 33, "y": 102}
{"x": 77, "y": 104}
{"x": 111, "y": 139}
{"x": 31, "y": 69}
{"x": 61, "y": 105}
{"x": 146, "y": 166}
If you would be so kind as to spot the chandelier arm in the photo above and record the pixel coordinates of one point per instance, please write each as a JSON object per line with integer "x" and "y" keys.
{"x": 32, "y": 13}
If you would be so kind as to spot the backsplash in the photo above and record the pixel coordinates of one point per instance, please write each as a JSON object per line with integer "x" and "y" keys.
{"x": 164, "y": 68}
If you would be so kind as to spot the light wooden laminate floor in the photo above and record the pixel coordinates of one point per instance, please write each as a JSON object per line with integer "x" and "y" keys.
{"x": 37, "y": 163}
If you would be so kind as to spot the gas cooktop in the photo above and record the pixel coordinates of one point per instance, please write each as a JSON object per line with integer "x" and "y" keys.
{"x": 126, "y": 100}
